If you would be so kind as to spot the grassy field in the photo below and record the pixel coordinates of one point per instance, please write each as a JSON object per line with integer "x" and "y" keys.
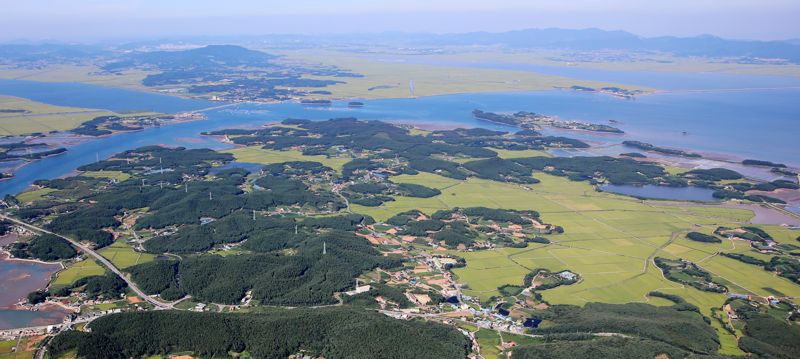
{"x": 609, "y": 240}
{"x": 77, "y": 271}
{"x": 72, "y": 73}
{"x": 24, "y": 348}
{"x": 384, "y": 79}
{"x": 122, "y": 255}
{"x": 649, "y": 62}
{"x": 489, "y": 341}
{"x": 262, "y": 156}
{"x": 119, "y": 176}
{"x": 41, "y": 117}
{"x": 502, "y": 153}
{"x": 34, "y": 195}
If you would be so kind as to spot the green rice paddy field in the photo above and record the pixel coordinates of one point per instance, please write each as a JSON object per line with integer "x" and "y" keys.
{"x": 609, "y": 240}
{"x": 40, "y": 117}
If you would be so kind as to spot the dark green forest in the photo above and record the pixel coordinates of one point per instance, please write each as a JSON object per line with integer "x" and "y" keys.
{"x": 328, "y": 332}
{"x": 307, "y": 277}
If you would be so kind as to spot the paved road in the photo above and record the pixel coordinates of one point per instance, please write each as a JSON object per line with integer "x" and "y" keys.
{"x": 101, "y": 259}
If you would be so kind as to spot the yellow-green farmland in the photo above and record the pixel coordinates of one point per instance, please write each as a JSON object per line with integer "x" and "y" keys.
{"x": 609, "y": 240}
{"x": 25, "y": 116}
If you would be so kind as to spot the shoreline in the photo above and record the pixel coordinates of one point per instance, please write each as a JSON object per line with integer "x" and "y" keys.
{"x": 6, "y": 256}
{"x": 69, "y": 139}
{"x": 726, "y": 158}
{"x": 762, "y": 215}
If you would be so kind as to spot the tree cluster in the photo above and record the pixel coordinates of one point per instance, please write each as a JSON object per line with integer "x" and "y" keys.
{"x": 324, "y": 332}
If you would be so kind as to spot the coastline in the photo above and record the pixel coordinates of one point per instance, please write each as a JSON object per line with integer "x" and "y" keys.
{"x": 66, "y": 139}
{"x": 21, "y": 277}
{"x": 6, "y": 256}
{"x": 441, "y": 120}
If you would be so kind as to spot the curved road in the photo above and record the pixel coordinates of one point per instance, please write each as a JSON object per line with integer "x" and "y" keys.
{"x": 99, "y": 258}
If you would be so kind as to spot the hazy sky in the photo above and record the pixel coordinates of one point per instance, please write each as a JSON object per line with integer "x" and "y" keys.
{"x": 105, "y": 19}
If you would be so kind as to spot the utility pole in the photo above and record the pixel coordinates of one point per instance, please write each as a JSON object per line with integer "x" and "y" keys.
{"x": 209, "y": 197}
{"x": 325, "y": 251}
{"x": 254, "y": 215}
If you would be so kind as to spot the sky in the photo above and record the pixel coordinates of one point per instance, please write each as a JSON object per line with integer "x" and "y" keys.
{"x": 85, "y": 20}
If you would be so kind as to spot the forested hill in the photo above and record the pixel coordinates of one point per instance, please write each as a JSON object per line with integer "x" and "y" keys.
{"x": 329, "y": 333}
{"x": 212, "y": 56}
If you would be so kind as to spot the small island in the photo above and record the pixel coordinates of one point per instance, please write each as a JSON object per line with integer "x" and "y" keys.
{"x": 316, "y": 102}
{"x": 761, "y": 163}
{"x": 667, "y": 151}
{"x": 532, "y": 120}
{"x": 613, "y": 91}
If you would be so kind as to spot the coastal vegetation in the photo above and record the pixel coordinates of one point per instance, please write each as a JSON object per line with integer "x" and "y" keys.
{"x": 27, "y": 117}
{"x": 652, "y": 148}
{"x": 763, "y": 163}
{"x": 21, "y": 151}
{"x": 108, "y": 286}
{"x": 46, "y": 247}
{"x": 106, "y": 125}
{"x": 741, "y": 190}
{"x": 535, "y": 121}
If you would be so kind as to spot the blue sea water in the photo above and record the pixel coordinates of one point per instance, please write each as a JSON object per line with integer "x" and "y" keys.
{"x": 11, "y": 319}
{"x": 748, "y": 124}
{"x": 97, "y": 97}
{"x": 661, "y": 80}
{"x": 18, "y": 279}
{"x": 761, "y": 124}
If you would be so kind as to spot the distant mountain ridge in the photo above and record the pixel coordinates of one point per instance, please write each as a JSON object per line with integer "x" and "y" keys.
{"x": 549, "y": 38}
{"x": 48, "y": 51}
{"x": 204, "y": 57}
{"x": 596, "y": 39}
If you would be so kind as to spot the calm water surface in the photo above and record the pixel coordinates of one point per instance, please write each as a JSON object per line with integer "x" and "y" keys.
{"x": 749, "y": 124}
{"x": 18, "y": 279}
